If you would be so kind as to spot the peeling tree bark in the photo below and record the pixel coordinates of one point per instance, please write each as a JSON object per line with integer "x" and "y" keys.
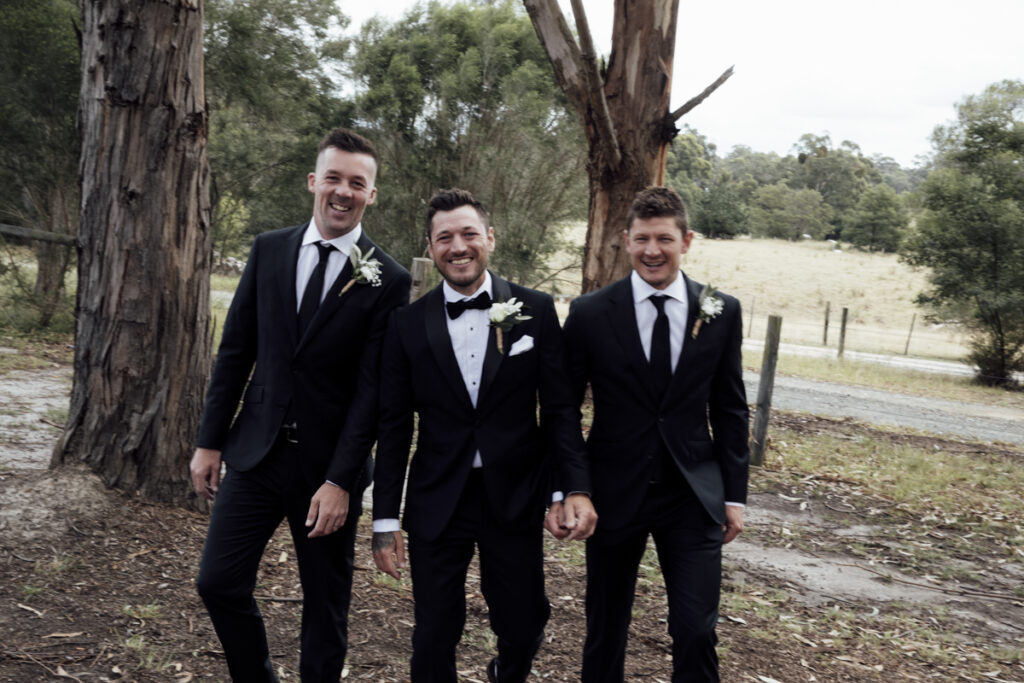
{"x": 142, "y": 349}
{"x": 625, "y": 116}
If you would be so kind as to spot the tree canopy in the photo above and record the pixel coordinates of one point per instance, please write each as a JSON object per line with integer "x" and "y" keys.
{"x": 971, "y": 235}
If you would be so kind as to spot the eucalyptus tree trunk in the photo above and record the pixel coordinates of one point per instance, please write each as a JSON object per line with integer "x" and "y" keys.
{"x": 624, "y": 111}
{"x": 142, "y": 352}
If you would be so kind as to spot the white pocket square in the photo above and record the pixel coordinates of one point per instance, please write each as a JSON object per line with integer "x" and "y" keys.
{"x": 522, "y": 345}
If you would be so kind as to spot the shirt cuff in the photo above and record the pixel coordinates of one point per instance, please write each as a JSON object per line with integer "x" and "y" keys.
{"x": 383, "y": 526}
{"x": 557, "y": 497}
{"x": 735, "y": 505}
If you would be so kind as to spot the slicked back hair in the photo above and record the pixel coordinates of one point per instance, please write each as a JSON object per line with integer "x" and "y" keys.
{"x": 656, "y": 202}
{"x": 348, "y": 141}
{"x": 451, "y": 199}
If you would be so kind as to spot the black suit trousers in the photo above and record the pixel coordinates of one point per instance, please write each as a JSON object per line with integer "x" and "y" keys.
{"x": 248, "y": 509}
{"x": 511, "y": 580}
{"x": 689, "y": 546}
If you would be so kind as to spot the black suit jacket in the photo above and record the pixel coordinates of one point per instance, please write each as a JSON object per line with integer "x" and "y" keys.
{"x": 330, "y": 374}
{"x": 702, "y": 418}
{"x": 419, "y": 373}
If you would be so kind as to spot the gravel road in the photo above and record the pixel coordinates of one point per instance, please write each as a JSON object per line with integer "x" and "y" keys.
{"x": 938, "y": 416}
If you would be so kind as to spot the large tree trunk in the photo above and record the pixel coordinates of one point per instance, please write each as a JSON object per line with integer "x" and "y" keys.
{"x": 624, "y": 112}
{"x": 142, "y": 349}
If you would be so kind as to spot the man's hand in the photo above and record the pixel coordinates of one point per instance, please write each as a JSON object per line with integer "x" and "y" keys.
{"x": 205, "y": 470}
{"x": 579, "y": 516}
{"x": 553, "y": 521}
{"x": 733, "y": 522}
{"x": 389, "y": 552}
{"x": 328, "y": 510}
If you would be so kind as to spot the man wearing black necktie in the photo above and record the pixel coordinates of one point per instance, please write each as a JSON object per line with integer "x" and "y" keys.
{"x": 479, "y": 476}
{"x": 302, "y": 342}
{"x": 668, "y": 448}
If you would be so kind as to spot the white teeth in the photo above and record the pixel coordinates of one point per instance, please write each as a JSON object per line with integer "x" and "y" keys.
{"x": 459, "y": 261}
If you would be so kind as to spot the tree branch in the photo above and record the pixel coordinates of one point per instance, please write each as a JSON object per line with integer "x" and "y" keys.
{"x": 553, "y": 31}
{"x": 693, "y": 102}
{"x": 595, "y": 87}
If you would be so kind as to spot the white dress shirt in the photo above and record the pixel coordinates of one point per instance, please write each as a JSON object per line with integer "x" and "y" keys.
{"x": 309, "y": 256}
{"x": 677, "y": 307}
{"x": 469, "y": 334}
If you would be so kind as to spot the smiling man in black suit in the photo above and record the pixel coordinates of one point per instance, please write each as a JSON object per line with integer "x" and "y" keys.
{"x": 668, "y": 448}
{"x": 302, "y": 341}
{"x": 473, "y": 364}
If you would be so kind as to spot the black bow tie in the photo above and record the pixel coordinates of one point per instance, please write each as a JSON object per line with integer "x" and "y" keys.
{"x": 455, "y": 308}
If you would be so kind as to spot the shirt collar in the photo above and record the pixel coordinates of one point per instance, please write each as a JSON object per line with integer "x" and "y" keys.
{"x": 642, "y": 290}
{"x": 451, "y": 295}
{"x": 342, "y": 244}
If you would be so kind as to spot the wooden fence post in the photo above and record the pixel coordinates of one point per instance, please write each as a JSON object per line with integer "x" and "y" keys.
{"x": 906, "y": 349}
{"x": 750, "y": 327}
{"x": 764, "y": 389}
{"x": 420, "y": 270}
{"x": 842, "y": 332}
{"x": 824, "y": 338}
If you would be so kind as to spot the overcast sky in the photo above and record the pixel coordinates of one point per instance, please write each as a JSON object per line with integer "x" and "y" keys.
{"x": 880, "y": 73}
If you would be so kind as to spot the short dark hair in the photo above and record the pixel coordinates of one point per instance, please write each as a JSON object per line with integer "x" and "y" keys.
{"x": 655, "y": 202}
{"x": 348, "y": 141}
{"x": 451, "y": 199}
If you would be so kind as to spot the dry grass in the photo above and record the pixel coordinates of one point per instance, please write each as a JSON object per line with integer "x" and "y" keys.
{"x": 798, "y": 279}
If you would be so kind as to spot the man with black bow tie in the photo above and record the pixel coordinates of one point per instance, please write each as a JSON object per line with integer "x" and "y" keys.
{"x": 302, "y": 341}
{"x": 472, "y": 358}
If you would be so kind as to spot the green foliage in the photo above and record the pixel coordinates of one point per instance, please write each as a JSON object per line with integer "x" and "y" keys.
{"x": 714, "y": 200}
{"x": 39, "y": 82}
{"x": 972, "y": 232}
{"x": 878, "y": 222}
{"x": 838, "y": 174}
{"x": 271, "y": 68}
{"x": 464, "y": 96}
{"x": 721, "y": 212}
{"x": 780, "y": 211}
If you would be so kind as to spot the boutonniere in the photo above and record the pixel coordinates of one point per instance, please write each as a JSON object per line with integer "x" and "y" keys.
{"x": 365, "y": 270}
{"x": 709, "y": 306}
{"x": 504, "y": 316}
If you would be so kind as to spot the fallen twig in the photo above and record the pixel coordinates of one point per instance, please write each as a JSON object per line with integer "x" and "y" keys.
{"x": 941, "y": 589}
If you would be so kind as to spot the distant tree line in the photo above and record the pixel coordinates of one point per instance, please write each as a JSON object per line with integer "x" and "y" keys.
{"x": 820, "y": 191}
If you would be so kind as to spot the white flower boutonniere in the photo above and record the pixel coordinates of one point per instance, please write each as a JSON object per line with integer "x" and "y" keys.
{"x": 504, "y": 315}
{"x": 709, "y": 306}
{"x": 365, "y": 270}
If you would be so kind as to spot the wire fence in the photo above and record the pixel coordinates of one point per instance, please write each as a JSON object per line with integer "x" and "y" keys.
{"x": 913, "y": 338}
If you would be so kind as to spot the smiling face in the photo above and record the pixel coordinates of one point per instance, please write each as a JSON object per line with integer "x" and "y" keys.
{"x": 460, "y": 243}
{"x": 655, "y": 246}
{"x": 342, "y": 187}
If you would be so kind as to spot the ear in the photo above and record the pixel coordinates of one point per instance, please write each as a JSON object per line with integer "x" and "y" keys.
{"x": 373, "y": 197}
{"x": 490, "y": 238}
{"x": 311, "y": 182}
{"x": 687, "y": 239}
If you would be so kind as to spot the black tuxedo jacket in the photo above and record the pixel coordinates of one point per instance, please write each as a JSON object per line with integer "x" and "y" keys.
{"x": 702, "y": 419}
{"x": 419, "y": 373}
{"x": 329, "y": 375}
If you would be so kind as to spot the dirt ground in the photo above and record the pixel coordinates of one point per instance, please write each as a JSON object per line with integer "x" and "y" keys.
{"x": 98, "y": 586}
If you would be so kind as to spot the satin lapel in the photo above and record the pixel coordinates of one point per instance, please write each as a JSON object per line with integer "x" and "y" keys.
{"x": 333, "y": 299}
{"x": 440, "y": 342}
{"x": 287, "y": 264}
{"x": 622, "y": 319}
{"x": 691, "y": 348}
{"x": 493, "y": 358}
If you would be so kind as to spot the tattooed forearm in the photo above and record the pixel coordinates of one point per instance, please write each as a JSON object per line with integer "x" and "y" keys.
{"x": 383, "y": 540}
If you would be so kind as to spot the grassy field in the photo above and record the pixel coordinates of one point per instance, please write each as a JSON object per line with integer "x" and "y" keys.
{"x": 797, "y": 280}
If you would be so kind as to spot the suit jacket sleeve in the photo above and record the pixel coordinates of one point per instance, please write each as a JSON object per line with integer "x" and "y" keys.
{"x": 559, "y": 409}
{"x": 728, "y": 414}
{"x": 235, "y": 359}
{"x": 396, "y": 425}
{"x": 360, "y": 429}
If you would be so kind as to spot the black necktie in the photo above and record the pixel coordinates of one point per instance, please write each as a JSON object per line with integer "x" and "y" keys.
{"x": 456, "y": 308}
{"x": 314, "y": 288}
{"x": 661, "y": 353}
